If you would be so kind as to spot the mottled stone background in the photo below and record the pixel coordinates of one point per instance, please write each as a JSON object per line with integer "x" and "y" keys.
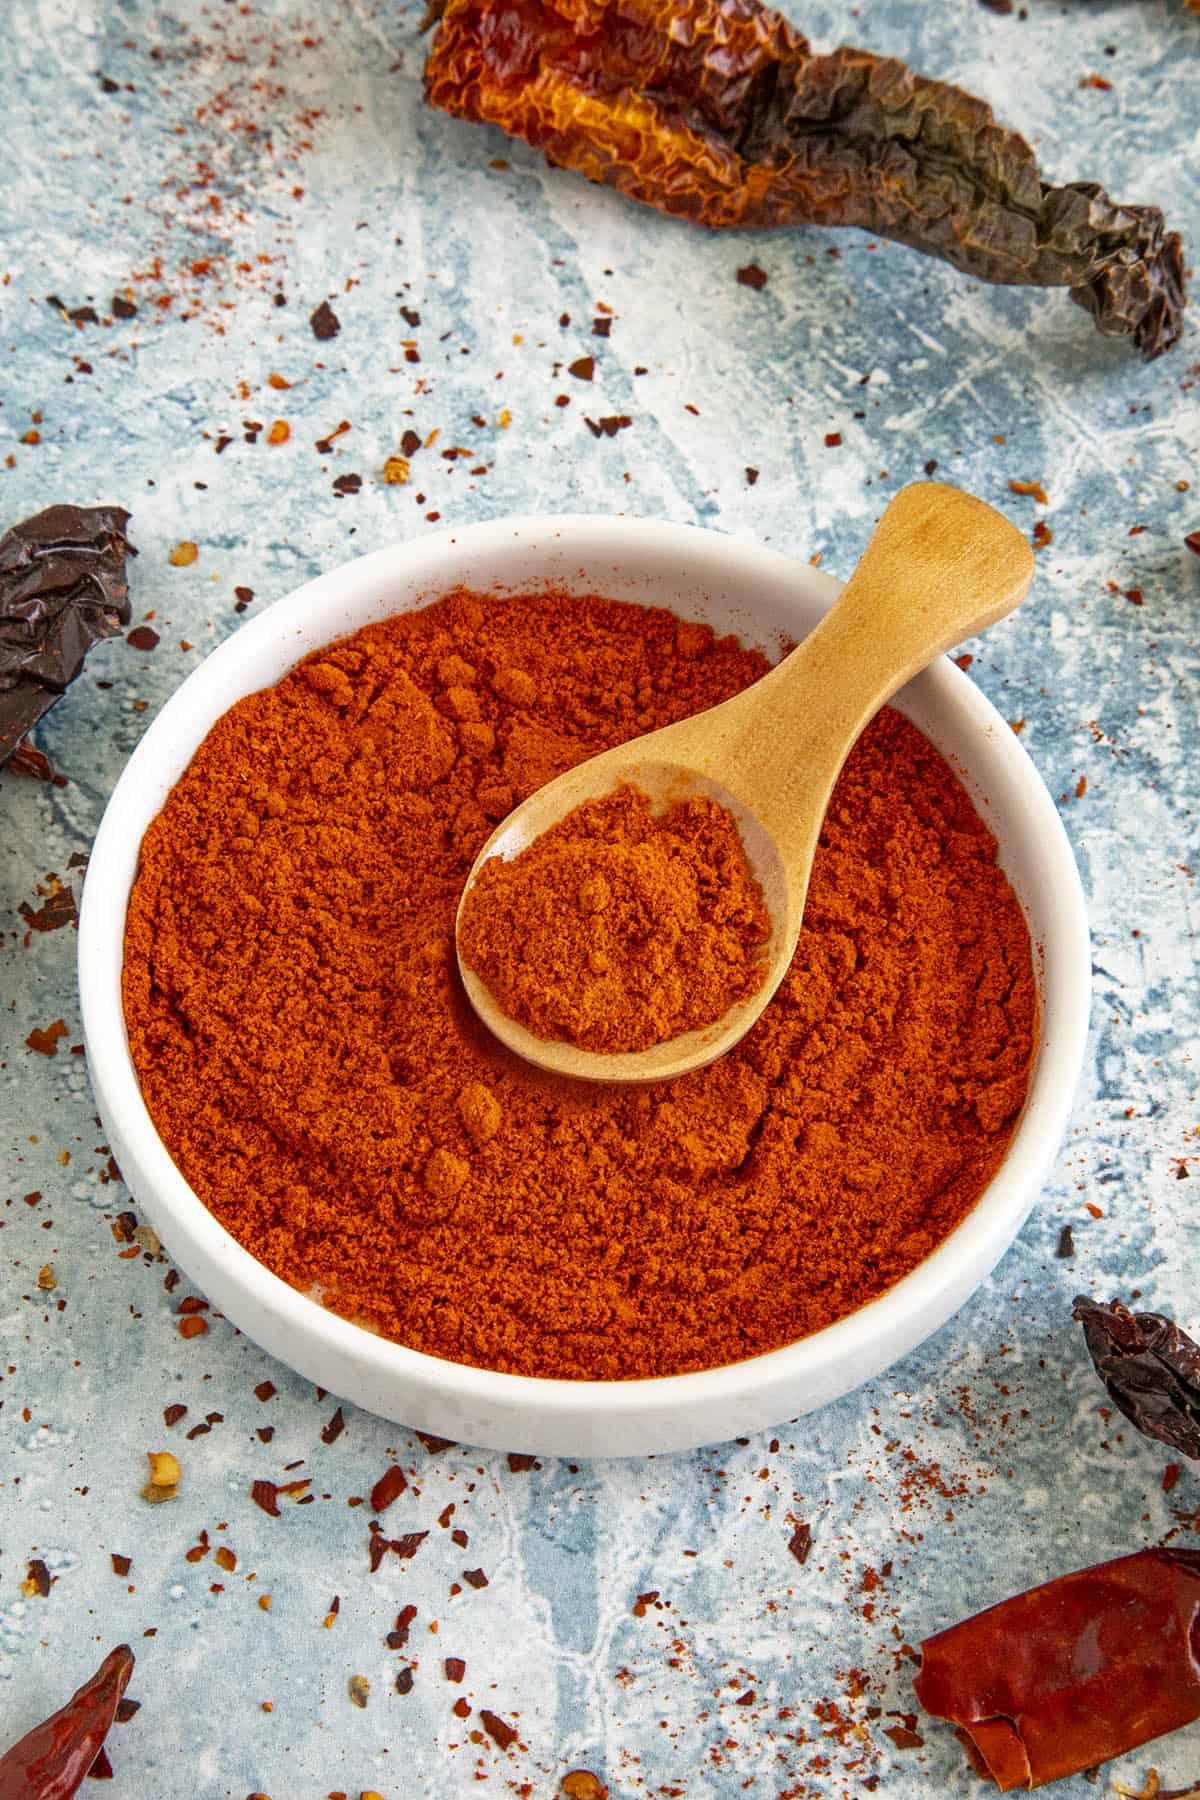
{"x": 227, "y": 167}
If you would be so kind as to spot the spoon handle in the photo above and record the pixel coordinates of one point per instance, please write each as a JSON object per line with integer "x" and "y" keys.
{"x": 940, "y": 566}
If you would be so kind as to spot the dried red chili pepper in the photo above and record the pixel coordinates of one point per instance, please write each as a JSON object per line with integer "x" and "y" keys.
{"x": 718, "y": 111}
{"x": 1074, "y": 1672}
{"x": 1150, "y": 1367}
{"x": 50, "y": 1761}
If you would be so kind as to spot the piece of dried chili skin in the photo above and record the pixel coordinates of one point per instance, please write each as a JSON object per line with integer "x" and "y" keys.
{"x": 718, "y": 111}
{"x": 50, "y": 1761}
{"x": 62, "y": 590}
{"x": 1074, "y": 1672}
{"x": 1151, "y": 1370}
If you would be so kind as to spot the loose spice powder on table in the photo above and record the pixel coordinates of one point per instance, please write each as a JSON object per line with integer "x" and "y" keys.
{"x": 310, "y": 1061}
{"x": 620, "y": 927}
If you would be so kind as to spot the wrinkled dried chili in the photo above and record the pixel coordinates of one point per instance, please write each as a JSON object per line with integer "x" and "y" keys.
{"x": 1151, "y": 1370}
{"x": 62, "y": 590}
{"x": 1074, "y": 1672}
{"x": 719, "y": 112}
{"x": 50, "y": 1761}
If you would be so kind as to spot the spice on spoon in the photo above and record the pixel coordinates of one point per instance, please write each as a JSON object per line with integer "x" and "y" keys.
{"x": 1074, "y": 1672}
{"x": 620, "y": 928}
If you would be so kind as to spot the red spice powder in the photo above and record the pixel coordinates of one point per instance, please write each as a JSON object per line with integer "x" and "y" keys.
{"x": 311, "y": 1063}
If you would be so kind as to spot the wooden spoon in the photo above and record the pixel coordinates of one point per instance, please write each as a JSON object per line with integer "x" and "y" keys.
{"x": 939, "y": 567}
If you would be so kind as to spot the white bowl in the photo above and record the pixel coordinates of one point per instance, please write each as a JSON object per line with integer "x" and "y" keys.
{"x": 763, "y": 597}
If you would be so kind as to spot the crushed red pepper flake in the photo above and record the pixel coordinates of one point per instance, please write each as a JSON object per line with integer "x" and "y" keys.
{"x": 397, "y": 1638}
{"x": 325, "y": 322}
{"x": 518, "y": 1461}
{"x": 751, "y": 276}
{"x": 583, "y": 368}
{"x": 389, "y": 1487}
{"x": 121, "y": 1565}
{"x": 800, "y": 1542}
{"x": 331, "y": 1432}
{"x": 37, "y": 1579}
{"x": 193, "y": 1325}
{"x": 173, "y": 1413}
{"x": 453, "y": 1667}
{"x": 143, "y": 637}
{"x": 266, "y": 1390}
{"x": 45, "y": 1039}
{"x": 475, "y": 1578}
{"x": 498, "y": 1729}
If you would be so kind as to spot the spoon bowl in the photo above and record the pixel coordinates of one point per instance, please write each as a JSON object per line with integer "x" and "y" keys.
{"x": 940, "y": 566}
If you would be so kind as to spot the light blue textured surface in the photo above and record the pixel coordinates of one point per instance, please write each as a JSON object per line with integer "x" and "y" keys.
{"x": 978, "y": 1466}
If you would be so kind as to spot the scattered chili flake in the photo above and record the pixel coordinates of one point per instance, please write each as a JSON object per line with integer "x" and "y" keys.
{"x": 27, "y": 759}
{"x": 410, "y": 443}
{"x": 243, "y": 596}
{"x": 335, "y": 1607}
{"x": 518, "y": 1461}
{"x": 59, "y": 910}
{"x": 389, "y": 1487}
{"x": 121, "y": 1565}
{"x": 280, "y": 432}
{"x": 832, "y": 440}
{"x": 407, "y": 1546}
{"x": 404, "y": 1681}
{"x": 173, "y": 1413}
{"x": 1096, "y": 81}
{"x": 498, "y": 1729}
{"x": 347, "y": 484}
{"x": 453, "y": 1666}
{"x": 359, "y": 1689}
{"x": 45, "y": 1042}
{"x": 332, "y": 1432}
{"x": 266, "y": 1495}
{"x": 45, "y": 1280}
{"x": 582, "y": 1784}
{"x": 324, "y": 445}
{"x": 164, "y": 1468}
{"x": 751, "y": 476}
{"x": 461, "y": 1708}
{"x": 396, "y": 471}
{"x": 1066, "y": 1244}
{"x": 583, "y": 368}
{"x": 1097, "y": 1212}
{"x": 226, "y": 1558}
{"x": 601, "y": 327}
{"x": 325, "y": 322}
{"x": 37, "y": 1580}
{"x": 458, "y": 1536}
{"x": 192, "y": 1325}
{"x": 1042, "y": 535}
{"x": 752, "y": 276}
{"x": 643, "y": 1601}
{"x": 184, "y": 553}
{"x": 800, "y": 1542}
{"x": 122, "y": 308}
{"x": 266, "y": 1390}
{"x": 903, "y": 1737}
{"x": 277, "y": 381}
{"x": 1134, "y": 596}
{"x": 397, "y": 1638}
{"x": 1030, "y": 487}
{"x": 609, "y": 425}
{"x": 475, "y": 1578}
{"x": 1171, "y": 1475}
{"x": 1192, "y": 542}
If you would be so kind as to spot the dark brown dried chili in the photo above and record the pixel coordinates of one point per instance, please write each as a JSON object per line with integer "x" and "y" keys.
{"x": 62, "y": 590}
{"x": 50, "y": 1761}
{"x": 718, "y": 111}
{"x": 1151, "y": 1370}
{"x": 1074, "y": 1672}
